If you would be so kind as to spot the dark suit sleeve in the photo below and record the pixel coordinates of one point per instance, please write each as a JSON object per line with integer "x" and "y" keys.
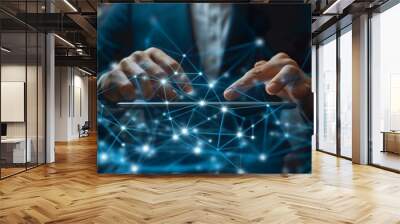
{"x": 112, "y": 36}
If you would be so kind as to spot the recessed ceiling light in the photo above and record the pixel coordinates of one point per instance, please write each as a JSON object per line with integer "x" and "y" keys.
{"x": 70, "y": 5}
{"x": 5, "y": 50}
{"x": 64, "y": 40}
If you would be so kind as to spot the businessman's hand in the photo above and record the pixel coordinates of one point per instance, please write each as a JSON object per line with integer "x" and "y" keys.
{"x": 150, "y": 72}
{"x": 282, "y": 77}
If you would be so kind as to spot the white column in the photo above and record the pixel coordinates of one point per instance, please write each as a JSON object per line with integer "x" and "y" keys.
{"x": 50, "y": 100}
{"x": 360, "y": 90}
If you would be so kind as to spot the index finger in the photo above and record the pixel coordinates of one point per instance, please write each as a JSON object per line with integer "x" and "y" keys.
{"x": 259, "y": 74}
{"x": 172, "y": 67}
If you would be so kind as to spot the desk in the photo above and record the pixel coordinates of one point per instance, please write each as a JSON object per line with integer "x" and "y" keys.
{"x": 13, "y": 150}
{"x": 391, "y": 141}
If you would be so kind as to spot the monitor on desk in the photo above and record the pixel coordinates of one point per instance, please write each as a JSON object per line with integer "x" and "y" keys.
{"x": 3, "y": 130}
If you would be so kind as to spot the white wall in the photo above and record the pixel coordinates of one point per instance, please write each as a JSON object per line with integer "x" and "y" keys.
{"x": 71, "y": 94}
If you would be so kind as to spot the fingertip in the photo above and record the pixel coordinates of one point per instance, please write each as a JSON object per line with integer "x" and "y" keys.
{"x": 273, "y": 88}
{"x": 188, "y": 88}
{"x": 229, "y": 94}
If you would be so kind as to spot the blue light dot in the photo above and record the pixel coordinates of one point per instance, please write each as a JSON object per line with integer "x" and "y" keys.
{"x": 185, "y": 131}
{"x": 134, "y": 168}
{"x": 259, "y": 42}
{"x": 197, "y": 150}
{"x": 103, "y": 157}
{"x": 212, "y": 84}
{"x": 145, "y": 148}
{"x": 262, "y": 157}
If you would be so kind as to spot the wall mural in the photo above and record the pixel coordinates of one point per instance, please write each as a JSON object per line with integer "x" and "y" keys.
{"x": 204, "y": 88}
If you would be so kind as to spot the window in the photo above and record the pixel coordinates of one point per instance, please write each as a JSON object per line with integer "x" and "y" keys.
{"x": 327, "y": 96}
{"x": 346, "y": 92}
{"x": 385, "y": 89}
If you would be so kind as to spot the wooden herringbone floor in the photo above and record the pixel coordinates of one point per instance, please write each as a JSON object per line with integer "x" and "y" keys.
{"x": 70, "y": 191}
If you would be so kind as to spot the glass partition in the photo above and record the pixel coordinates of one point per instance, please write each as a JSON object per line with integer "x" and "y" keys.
{"x": 326, "y": 137}
{"x": 15, "y": 150}
{"x": 385, "y": 89}
{"x": 22, "y": 87}
{"x": 346, "y": 92}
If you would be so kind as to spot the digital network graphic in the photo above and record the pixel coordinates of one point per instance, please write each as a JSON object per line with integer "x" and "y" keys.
{"x": 201, "y": 132}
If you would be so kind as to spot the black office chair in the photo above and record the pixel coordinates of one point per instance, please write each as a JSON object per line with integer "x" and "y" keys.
{"x": 84, "y": 130}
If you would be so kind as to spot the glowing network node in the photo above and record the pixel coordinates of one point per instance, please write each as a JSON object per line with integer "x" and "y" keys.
{"x": 277, "y": 122}
{"x": 123, "y": 144}
{"x": 268, "y": 105}
{"x": 145, "y": 148}
{"x": 211, "y": 84}
{"x": 123, "y": 128}
{"x": 163, "y": 81}
{"x": 200, "y": 73}
{"x": 208, "y": 118}
{"x": 195, "y": 130}
{"x": 197, "y": 150}
{"x": 145, "y": 77}
{"x": 240, "y": 171}
{"x": 184, "y": 55}
{"x": 134, "y": 168}
{"x": 170, "y": 118}
{"x": 135, "y": 76}
{"x": 166, "y": 102}
{"x": 262, "y": 157}
{"x": 103, "y": 157}
{"x": 286, "y": 135}
{"x": 253, "y": 137}
{"x": 202, "y": 103}
{"x": 210, "y": 140}
{"x": 185, "y": 131}
{"x": 239, "y": 134}
{"x": 175, "y": 137}
{"x": 224, "y": 109}
{"x": 163, "y": 114}
{"x": 259, "y": 42}
{"x": 252, "y": 125}
{"x": 175, "y": 73}
{"x": 226, "y": 74}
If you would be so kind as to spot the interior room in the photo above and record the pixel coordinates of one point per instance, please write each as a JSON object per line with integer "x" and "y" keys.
{"x": 52, "y": 109}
